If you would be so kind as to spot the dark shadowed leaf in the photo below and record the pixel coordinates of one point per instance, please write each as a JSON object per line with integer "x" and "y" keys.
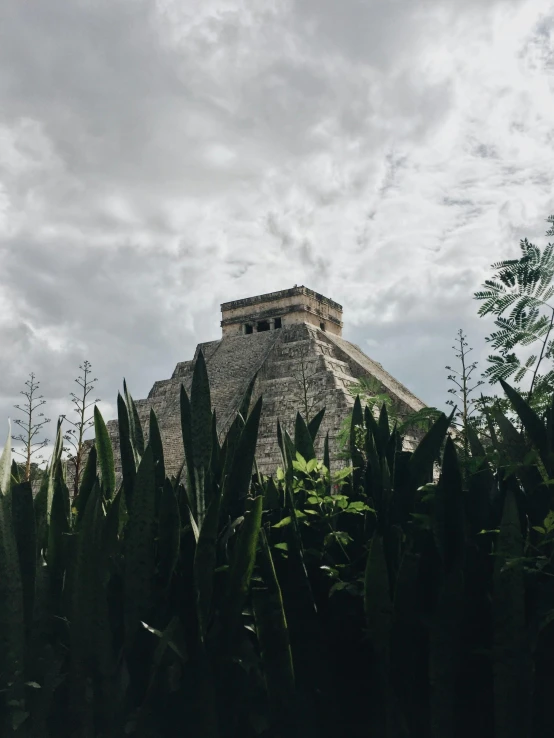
{"x": 25, "y": 537}
{"x": 137, "y": 435}
{"x": 169, "y": 533}
{"x": 534, "y": 426}
{"x": 155, "y": 443}
{"x": 511, "y": 660}
{"x": 128, "y": 456}
{"x": 87, "y": 483}
{"x": 384, "y": 425}
{"x": 201, "y": 414}
{"x": 240, "y": 573}
{"x": 448, "y": 510}
{"x": 273, "y": 637}
{"x": 139, "y": 547}
{"x": 105, "y": 455}
{"x": 377, "y": 595}
{"x": 238, "y": 483}
{"x": 428, "y": 450}
{"x": 205, "y": 561}
{"x": 315, "y": 422}
{"x": 303, "y": 441}
{"x": 186, "y": 431}
{"x": 245, "y": 402}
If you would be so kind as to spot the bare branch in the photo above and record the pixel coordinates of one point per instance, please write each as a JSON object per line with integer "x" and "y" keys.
{"x": 75, "y": 435}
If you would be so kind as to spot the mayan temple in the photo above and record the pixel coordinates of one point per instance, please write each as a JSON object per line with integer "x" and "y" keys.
{"x": 292, "y": 342}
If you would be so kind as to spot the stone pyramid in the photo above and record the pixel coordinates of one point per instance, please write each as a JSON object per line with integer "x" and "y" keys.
{"x": 291, "y": 341}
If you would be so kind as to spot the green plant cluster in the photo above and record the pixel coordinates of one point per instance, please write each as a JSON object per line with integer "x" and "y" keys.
{"x": 391, "y": 597}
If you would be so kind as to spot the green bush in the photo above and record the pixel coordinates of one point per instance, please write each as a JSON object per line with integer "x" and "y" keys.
{"x": 387, "y": 598}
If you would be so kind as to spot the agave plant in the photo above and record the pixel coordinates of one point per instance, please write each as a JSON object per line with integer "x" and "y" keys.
{"x": 390, "y": 596}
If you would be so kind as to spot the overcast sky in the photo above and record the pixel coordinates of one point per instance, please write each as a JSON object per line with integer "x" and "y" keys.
{"x": 159, "y": 158}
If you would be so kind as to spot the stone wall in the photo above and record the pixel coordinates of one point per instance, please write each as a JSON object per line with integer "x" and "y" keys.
{"x": 331, "y": 366}
{"x": 293, "y": 306}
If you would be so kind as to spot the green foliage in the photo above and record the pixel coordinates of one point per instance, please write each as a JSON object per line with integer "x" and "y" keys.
{"x": 369, "y": 390}
{"x": 510, "y": 657}
{"x": 105, "y": 455}
{"x": 274, "y": 643}
{"x": 519, "y": 296}
{"x": 392, "y": 596}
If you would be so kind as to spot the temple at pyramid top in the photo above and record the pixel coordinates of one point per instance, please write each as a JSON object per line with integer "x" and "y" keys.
{"x": 277, "y": 309}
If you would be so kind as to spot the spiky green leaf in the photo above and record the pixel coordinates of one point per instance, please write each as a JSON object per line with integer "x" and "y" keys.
{"x": 139, "y": 548}
{"x": 186, "y": 431}
{"x": 87, "y": 483}
{"x": 201, "y": 414}
{"x": 315, "y": 422}
{"x": 129, "y": 455}
{"x": 238, "y": 483}
{"x": 155, "y": 443}
{"x": 511, "y": 660}
{"x": 135, "y": 426}
{"x": 57, "y": 531}
{"x": 273, "y": 637}
{"x": 26, "y": 541}
{"x": 303, "y": 441}
{"x": 5, "y": 463}
{"x": 533, "y": 425}
{"x": 205, "y": 561}
{"x": 169, "y": 533}
{"x": 377, "y": 596}
{"x": 240, "y": 573}
{"x": 105, "y": 455}
{"x": 428, "y": 450}
{"x": 244, "y": 406}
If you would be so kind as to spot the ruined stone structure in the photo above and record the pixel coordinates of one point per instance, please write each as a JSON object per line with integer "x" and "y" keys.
{"x": 292, "y": 340}
{"x": 275, "y": 309}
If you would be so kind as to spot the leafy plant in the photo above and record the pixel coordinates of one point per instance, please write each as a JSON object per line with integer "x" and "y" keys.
{"x": 519, "y": 296}
{"x": 376, "y": 598}
{"x": 369, "y": 390}
{"x": 320, "y": 505}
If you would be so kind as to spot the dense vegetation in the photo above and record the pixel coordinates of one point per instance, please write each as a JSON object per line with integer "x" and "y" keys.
{"x": 365, "y": 601}
{"x": 399, "y": 595}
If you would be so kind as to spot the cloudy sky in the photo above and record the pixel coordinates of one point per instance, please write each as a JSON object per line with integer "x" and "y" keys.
{"x": 159, "y": 158}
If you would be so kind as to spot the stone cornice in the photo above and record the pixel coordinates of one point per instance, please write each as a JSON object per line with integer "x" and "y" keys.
{"x": 276, "y": 313}
{"x": 271, "y": 296}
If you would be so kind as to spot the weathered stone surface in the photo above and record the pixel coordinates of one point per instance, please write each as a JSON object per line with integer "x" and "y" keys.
{"x": 280, "y": 357}
{"x": 296, "y": 305}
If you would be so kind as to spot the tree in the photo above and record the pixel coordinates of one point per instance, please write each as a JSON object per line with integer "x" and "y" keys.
{"x": 519, "y": 296}
{"x": 30, "y": 428}
{"x": 463, "y": 390}
{"x": 304, "y": 374}
{"x": 75, "y": 435}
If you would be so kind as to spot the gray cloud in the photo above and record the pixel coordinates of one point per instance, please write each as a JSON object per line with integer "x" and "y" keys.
{"x": 157, "y": 159}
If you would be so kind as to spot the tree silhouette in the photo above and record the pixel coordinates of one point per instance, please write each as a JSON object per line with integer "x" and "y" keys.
{"x": 75, "y": 435}
{"x": 30, "y": 428}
